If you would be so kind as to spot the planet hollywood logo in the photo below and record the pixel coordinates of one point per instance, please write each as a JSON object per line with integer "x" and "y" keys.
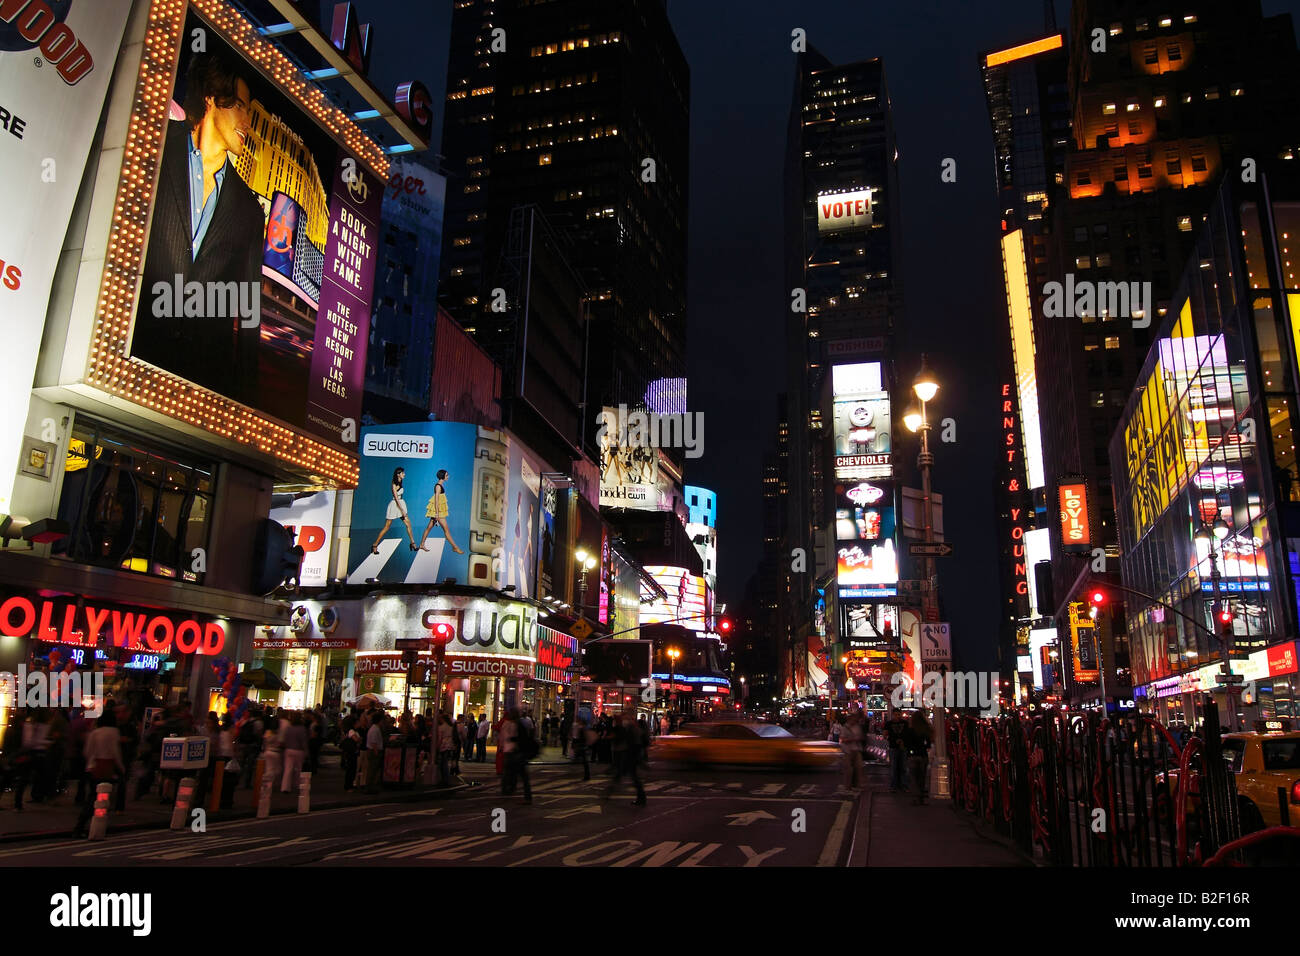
{"x": 39, "y": 24}
{"x": 865, "y": 494}
{"x": 397, "y": 446}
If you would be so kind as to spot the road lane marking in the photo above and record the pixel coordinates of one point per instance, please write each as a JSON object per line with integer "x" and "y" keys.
{"x": 756, "y": 859}
{"x": 661, "y": 854}
{"x": 831, "y": 851}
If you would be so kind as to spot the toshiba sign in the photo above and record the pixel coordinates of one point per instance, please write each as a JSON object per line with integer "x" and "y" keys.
{"x": 846, "y": 210}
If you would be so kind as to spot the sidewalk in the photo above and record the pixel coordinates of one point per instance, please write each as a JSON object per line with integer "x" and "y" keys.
{"x": 56, "y": 819}
{"x": 893, "y": 831}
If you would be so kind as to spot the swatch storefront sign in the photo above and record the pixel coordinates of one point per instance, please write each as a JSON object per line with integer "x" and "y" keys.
{"x": 491, "y": 638}
{"x": 62, "y": 621}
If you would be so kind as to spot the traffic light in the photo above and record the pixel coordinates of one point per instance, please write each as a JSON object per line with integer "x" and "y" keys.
{"x": 442, "y": 633}
{"x": 724, "y": 626}
{"x": 1096, "y": 601}
{"x": 1225, "y": 617}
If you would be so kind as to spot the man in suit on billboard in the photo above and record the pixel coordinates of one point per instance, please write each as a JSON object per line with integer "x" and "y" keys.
{"x": 208, "y": 228}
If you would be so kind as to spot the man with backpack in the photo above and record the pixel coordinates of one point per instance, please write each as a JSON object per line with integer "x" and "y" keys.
{"x": 518, "y": 741}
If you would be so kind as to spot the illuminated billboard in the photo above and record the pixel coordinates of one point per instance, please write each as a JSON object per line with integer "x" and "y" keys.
{"x": 1020, "y": 313}
{"x": 440, "y": 500}
{"x": 866, "y": 555}
{"x": 629, "y": 462}
{"x": 309, "y": 517}
{"x": 1076, "y": 525}
{"x": 260, "y": 255}
{"x": 839, "y": 211}
{"x": 861, "y": 421}
{"x": 688, "y": 597}
{"x": 50, "y": 107}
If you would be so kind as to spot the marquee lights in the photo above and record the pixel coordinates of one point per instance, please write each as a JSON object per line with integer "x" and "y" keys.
{"x": 130, "y": 379}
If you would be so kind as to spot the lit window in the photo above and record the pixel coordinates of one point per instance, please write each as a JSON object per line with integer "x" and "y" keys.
{"x": 461, "y": 241}
{"x": 1083, "y": 262}
{"x": 1141, "y": 25}
{"x": 1132, "y": 106}
{"x": 1212, "y": 93}
{"x": 1190, "y": 18}
{"x": 1238, "y": 91}
{"x": 1112, "y": 341}
{"x": 1116, "y": 29}
{"x": 1090, "y": 346}
{"x": 552, "y": 48}
{"x": 544, "y": 159}
{"x": 1160, "y": 101}
{"x": 1166, "y": 22}
{"x": 1107, "y": 109}
{"x": 1103, "y": 260}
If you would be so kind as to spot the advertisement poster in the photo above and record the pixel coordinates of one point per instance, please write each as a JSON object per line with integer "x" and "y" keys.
{"x": 867, "y": 559}
{"x": 861, "y": 421}
{"x": 553, "y": 536}
{"x": 259, "y": 270}
{"x": 309, "y": 518}
{"x": 588, "y": 537}
{"x": 52, "y": 106}
{"x": 524, "y": 485}
{"x": 408, "y": 523}
{"x": 629, "y": 465}
{"x": 688, "y": 597}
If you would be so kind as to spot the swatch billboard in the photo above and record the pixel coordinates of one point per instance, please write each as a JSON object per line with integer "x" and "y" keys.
{"x": 439, "y": 500}
{"x": 260, "y": 259}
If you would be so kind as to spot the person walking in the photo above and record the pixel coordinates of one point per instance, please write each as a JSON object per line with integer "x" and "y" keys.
{"x": 627, "y": 746}
{"x": 295, "y": 743}
{"x": 374, "y": 752}
{"x": 349, "y": 747}
{"x": 897, "y": 756}
{"x": 566, "y": 733}
{"x": 480, "y": 753}
{"x": 519, "y": 744}
{"x": 446, "y": 747}
{"x": 471, "y": 737}
{"x": 916, "y": 739}
{"x": 582, "y": 736}
{"x": 850, "y": 740}
{"x": 103, "y": 753}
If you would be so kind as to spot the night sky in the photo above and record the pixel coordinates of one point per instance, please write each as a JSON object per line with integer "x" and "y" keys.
{"x": 742, "y": 75}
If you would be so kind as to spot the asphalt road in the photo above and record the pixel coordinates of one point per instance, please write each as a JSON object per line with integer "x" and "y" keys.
{"x": 728, "y": 817}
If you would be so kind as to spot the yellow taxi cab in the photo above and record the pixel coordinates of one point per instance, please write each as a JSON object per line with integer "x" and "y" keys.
{"x": 1264, "y": 763}
{"x": 743, "y": 742}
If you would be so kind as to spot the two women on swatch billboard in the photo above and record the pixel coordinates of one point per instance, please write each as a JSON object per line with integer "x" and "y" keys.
{"x": 439, "y": 500}
{"x": 411, "y": 509}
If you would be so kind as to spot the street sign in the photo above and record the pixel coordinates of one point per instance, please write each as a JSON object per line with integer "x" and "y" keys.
{"x": 936, "y": 642}
{"x": 911, "y": 586}
{"x": 929, "y": 549}
{"x": 581, "y": 629}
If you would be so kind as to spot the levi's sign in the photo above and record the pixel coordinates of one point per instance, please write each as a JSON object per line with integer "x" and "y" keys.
{"x": 58, "y": 621}
{"x": 1076, "y": 534}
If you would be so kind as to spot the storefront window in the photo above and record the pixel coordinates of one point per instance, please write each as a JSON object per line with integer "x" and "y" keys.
{"x": 134, "y": 507}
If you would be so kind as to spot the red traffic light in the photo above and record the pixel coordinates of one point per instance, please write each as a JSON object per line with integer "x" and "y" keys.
{"x": 1225, "y": 615}
{"x": 724, "y": 626}
{"x": 442, "y": 633}
{"x": 1097, "y": 598}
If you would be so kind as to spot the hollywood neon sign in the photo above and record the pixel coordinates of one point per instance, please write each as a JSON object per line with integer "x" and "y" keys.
{"x": 134, "y": 630}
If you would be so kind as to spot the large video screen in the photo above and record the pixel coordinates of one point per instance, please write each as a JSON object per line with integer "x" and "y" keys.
{"x": 259, "y": 266}
{"x": 867, "y": 559}
{"x": 688, "y": 597}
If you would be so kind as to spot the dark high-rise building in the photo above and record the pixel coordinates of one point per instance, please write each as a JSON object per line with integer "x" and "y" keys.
{"x": 1173, "y": 103}
{"x": 1025, "y": 86}
{"x": 842, "y": 267}
{"x": 583, "y": 115}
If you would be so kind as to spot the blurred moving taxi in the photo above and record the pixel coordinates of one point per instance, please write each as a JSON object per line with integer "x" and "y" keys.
{"x": 1264, "y": 763}
{"x": 744, "y": 742}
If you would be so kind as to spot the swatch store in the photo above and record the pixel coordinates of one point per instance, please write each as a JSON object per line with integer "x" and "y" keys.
{"x": 1206, "y": 501}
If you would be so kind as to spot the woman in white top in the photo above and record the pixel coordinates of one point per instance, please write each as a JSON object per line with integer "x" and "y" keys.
{"x": 103, "y": 754}
{"x": 396, "y": 510}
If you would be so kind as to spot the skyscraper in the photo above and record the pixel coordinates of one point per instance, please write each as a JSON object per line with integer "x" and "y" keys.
{"x": 583, "y": 114}
{"x": 1163, "y": 107}
{"x": 842, "y": 251}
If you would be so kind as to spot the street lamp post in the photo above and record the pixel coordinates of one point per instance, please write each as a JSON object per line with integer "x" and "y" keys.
{"x": 926, "y": 387}
{"x": 1219, "y": 531}
{"x": 673, "y": 654}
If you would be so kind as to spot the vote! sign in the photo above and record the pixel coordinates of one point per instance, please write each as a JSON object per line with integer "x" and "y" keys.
{"x": 846, "y": 210}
